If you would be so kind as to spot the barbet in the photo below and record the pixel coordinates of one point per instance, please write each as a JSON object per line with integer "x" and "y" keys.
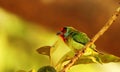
{"x": 76, "y": 40}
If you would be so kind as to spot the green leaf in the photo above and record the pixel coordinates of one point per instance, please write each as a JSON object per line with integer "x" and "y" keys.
{"x": 21, "y": 71}
{"x": 105, "y": 58}
{"x": 47, "y": 69}
{"x": 33, "y": 70}
{"x": 65, "y": 58}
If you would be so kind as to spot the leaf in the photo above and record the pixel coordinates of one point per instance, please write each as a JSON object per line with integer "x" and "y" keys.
{"x": 21, "y": 71}
{"x": 33, "y": 70}
{"x": 47, "y": 69}
{"x": 105, "y": 58}
{"x": 96, "y": 59}
{"x": 45, "y": 50}
{"x": 65, "y": 58}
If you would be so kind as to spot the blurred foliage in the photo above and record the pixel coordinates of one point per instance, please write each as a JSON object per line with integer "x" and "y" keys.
{"x": 19, "y": 40}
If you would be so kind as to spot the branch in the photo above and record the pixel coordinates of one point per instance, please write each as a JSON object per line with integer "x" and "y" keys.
{"x": 103, "y": 29}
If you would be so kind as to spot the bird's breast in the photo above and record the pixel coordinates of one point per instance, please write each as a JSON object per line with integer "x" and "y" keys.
{"x": 73, "y": 44}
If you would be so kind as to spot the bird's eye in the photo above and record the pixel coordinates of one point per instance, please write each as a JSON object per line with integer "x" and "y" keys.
{"x": 64, "y": 29}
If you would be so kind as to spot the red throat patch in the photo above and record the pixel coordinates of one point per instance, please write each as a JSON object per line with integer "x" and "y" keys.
{"x": 62, "y": 38}
{"x": 63, "y": 30}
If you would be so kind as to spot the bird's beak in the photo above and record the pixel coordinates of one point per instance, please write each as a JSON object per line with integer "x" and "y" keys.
{"x": 59, "y": 33}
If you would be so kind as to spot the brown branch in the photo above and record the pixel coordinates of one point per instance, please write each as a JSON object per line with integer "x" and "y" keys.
{"x": 103, "y": 29}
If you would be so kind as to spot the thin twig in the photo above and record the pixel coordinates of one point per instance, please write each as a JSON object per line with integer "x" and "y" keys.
{"x": 102, "y": 30}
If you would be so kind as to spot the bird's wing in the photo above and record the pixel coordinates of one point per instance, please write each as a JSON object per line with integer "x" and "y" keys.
{"x": 80, "y": 37}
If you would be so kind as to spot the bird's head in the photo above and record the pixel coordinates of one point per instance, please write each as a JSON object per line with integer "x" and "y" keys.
{"x": 65, "y": 32}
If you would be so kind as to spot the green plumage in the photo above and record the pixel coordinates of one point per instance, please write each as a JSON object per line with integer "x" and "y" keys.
{"x": 76, "y": 41}
{"x": 80, "y": 37}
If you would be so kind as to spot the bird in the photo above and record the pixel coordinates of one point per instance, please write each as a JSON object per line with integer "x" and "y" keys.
{"x": 76, "y": 41}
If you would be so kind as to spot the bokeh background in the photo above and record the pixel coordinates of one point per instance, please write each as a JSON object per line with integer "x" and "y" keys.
{"x": 26, "y": 25}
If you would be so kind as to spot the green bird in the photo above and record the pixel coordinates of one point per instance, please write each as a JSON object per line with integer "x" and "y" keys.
{"x": 76, "y": 40}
